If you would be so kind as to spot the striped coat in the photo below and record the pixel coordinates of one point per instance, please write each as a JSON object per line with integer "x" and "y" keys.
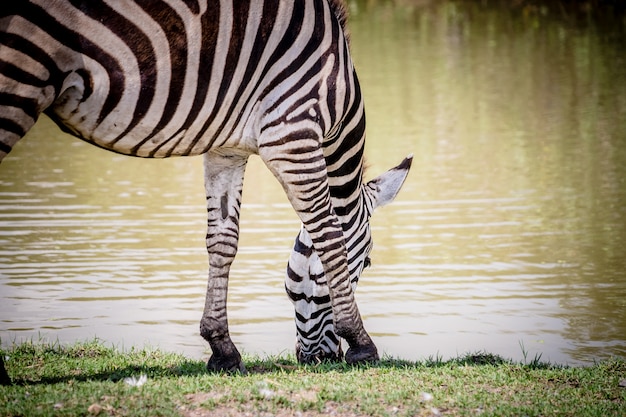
{"x": 222, "y": 79}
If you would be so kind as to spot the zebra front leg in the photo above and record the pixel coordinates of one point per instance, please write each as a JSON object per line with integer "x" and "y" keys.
{"x": 301, "y": 169}
{"x": 223, "y": 175}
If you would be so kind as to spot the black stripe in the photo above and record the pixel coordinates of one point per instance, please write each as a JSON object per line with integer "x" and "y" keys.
{"x": 322, "y": 312}
{"x": 3, "y": 146}
{"x": 303, "y": 97}
{"x": 174, "y": 28}
{"x": 352, "y": 138}
{"x": 23, "y": 77}
{"x": 292, "y": 275}
{"x": 210, "y": 29}
{"x": 332, "y": 96}
{"x": 313, "y": 299}
{"x": 11, "y": 126}
{"x": 240, "y": 22}
{"x": 28, "y": 105}
{"x": 332, "y": 336}
{"x": 75, "y": 41}
{"x": 267, "y": 22}
{"x": 305, "y": 53}
{"x": 302, "y": 249}
{"x": 357, "y": 215}
{"x": 315, "y": 329}
{"x": 141, "y": 46}
{"x": 193, "y": 6}
{"x": 55, "y": 75}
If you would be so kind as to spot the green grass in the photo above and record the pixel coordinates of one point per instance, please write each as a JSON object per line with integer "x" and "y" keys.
{"x": 88, "y": 379}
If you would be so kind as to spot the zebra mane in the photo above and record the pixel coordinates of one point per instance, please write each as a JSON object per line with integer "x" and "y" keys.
{"x": 340, "y": 11}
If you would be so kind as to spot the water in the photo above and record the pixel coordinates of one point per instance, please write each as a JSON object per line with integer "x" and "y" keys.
{"x": 508, "y": 236}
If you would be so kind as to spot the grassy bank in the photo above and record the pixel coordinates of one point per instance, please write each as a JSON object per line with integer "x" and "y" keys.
{"x": 91, "y": 379}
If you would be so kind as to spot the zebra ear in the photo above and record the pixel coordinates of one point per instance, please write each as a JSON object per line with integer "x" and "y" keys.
{"x": 384, "y": 188}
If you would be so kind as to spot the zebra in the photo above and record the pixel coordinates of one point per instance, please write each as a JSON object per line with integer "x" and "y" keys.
{"x": 225, "y": 80}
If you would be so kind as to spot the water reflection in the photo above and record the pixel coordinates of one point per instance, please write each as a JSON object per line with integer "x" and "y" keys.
{"x": 510, "y": 229}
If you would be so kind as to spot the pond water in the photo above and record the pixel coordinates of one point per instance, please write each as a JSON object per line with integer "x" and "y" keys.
{"x": 509, "y": 235}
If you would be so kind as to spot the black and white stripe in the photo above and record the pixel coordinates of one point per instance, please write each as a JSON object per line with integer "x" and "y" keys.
{"x": 223, "y": 79}
{"x": 306, "y": 283}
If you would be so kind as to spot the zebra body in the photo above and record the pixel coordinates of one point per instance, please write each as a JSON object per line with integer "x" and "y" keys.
{"x": 223, "y": 79}
{"x": 124, "y": 85}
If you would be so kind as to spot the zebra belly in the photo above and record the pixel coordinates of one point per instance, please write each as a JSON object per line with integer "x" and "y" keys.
{"x": 124, "y": 131}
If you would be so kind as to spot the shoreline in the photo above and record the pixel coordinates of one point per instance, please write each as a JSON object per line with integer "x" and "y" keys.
{"x": 88, "y": 378}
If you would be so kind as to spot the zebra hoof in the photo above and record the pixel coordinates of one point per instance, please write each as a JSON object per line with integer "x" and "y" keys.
{"x": 362, "y": 354}
{"x": 226, "y": 364}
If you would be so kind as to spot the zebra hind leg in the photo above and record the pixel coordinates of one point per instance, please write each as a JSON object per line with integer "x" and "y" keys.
{"x": 223, "y": 182}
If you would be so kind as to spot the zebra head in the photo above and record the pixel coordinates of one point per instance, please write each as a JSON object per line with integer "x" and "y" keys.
{"x": 306, "y": 284}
